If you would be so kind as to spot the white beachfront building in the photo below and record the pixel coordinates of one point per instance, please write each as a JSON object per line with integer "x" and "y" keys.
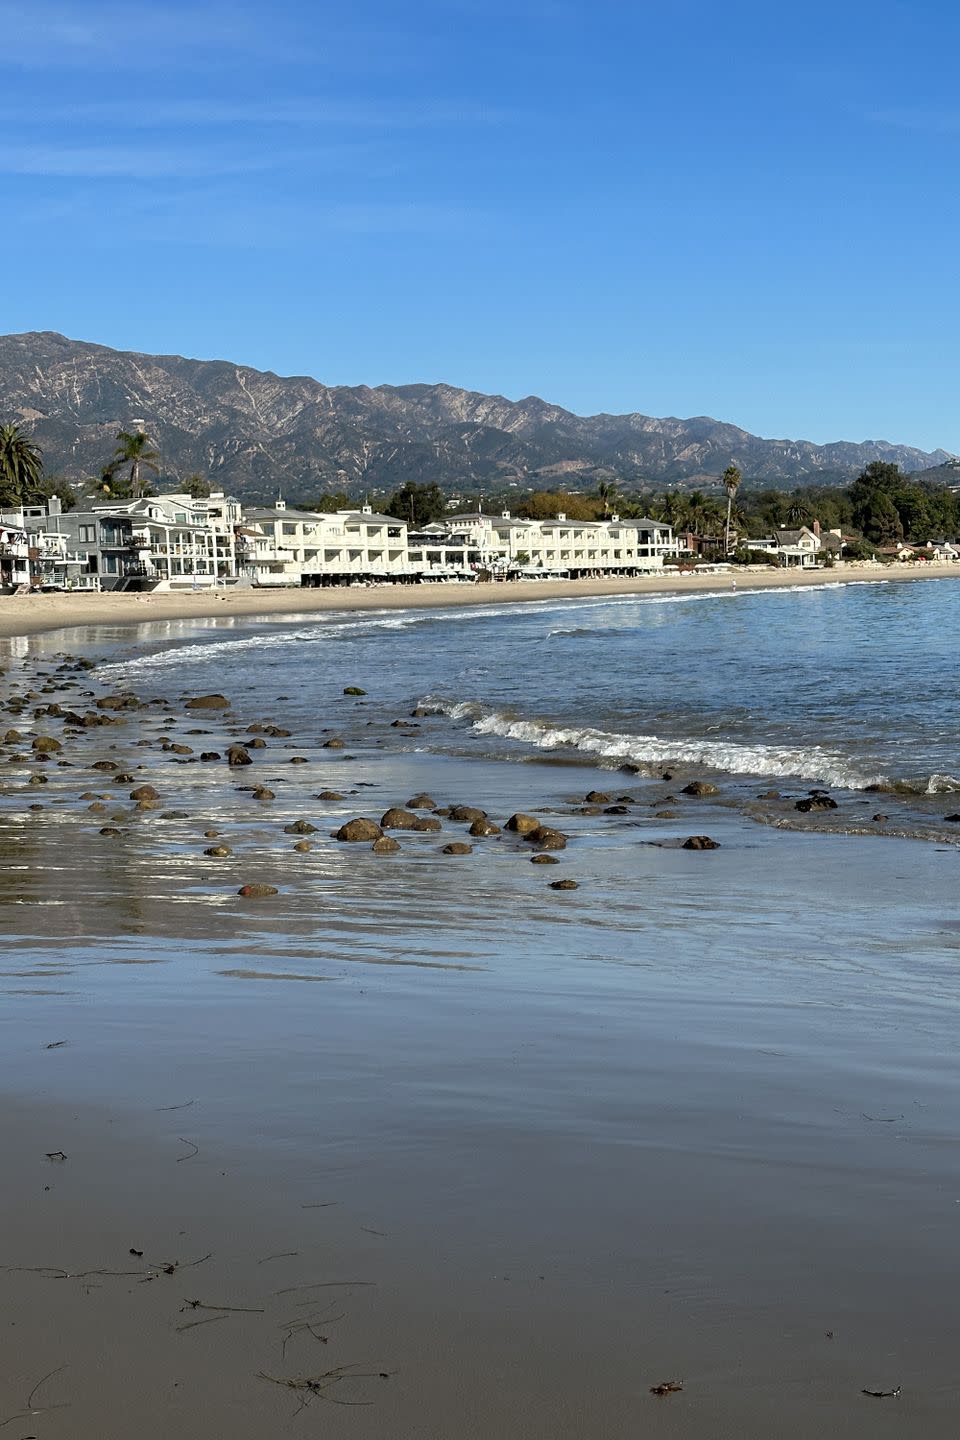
{"x": 506, "y": 544}
{"x": 302, "y": 547}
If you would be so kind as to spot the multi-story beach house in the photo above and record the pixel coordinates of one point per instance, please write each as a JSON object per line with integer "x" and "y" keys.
{"x": 160, "y": 543}
{"x": 804, "y": 548}
{"x": 303, "y": 547}
{"x": 508, "y": 545}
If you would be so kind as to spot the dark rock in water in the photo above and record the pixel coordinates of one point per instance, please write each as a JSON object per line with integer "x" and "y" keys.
{"x": 257, "y": 891}
{"x": 588, "y": 810}
{"x": 331, "y": 796}
{"x": 276, "y": 732}
{"x": 544, "y": 860}
{"x": 359, "y": 829}
{"x": 218, "y": 852}
{"x": 667, "y": 775}
{"x": 397, "y": 819}
{"x": 353, "y": 690}
{"x": 210, "y": 834}
{"x": 882, "y": 819}
{"x": 385, "y": 845}
{"x": 123, "y": 779}
{"x": 564, "y": 885}
{"x": 211, "y": 755}
{"x": 303, "y": 846}
{"x": 443, "y": 811}
{"x": 700, "y": 787}
{"x": 144, "y": 792}
{"x": 262, "y": 793}
{"x": 182, "y": 749}
{"x": 238, "y": 755}
{"x": 97, "y": 808}
{"x": 617, "y": 810}
{"x": 546, "y": 838}
{"x": 457, "y": 847}
{"x": 403, "y": 725}
{"x": 700, "y": 842}
{"x": 466, "y": 814}
{"x": 335, "y": 743}
{"x": 629, "y": 768}
{"x": 419, "y": 712}
{"x": 110, "y": 830}
{"x": 769, "y": 795}
{"x": 257, "y": 743}
{"x": 665, "y": 815}
{"x": 104, "y": 765}
{"x": 300, "y": 827}
{"x": 299, "y": 760}
{"x": 953, "y": 819}
{"x": 427, "y": 824}
{"x": 173, "y": 815}
{"x": 208, "y": 702}
{"x": 481, "y": 828}
{"x": 597, "y": 797}
{"x": 522, "y": 824}
{"x": 815, "y": 802}
{"x": 422, "y": 802}
{"x": 46, "y": 745}
{"x": 13, "y": 737}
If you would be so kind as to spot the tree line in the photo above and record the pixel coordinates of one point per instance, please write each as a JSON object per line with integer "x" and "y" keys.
{"x": 881, "y": 507}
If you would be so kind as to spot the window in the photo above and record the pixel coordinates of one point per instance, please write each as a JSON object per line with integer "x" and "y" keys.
{"x": 88, "y": 534}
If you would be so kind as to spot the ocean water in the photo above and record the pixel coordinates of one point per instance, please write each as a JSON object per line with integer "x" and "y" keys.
{"x": 849, "y": 686}
{"x": 694, "y": 1120}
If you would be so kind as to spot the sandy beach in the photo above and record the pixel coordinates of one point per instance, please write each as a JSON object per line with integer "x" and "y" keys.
{"x": 36, "y": 614}
{"x": 417, "y": 1145}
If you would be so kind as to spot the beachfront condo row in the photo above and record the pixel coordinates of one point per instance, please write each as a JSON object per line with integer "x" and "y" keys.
{"x": 175, "y": 542}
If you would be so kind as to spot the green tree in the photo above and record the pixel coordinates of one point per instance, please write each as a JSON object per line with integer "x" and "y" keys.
{"x": 330, "y": 503}
{"x": 548, "y": 504}
{"x": 730, "y": 480}
{"x": 416, "y": 504}
{"x": 609, "y": 498}
{"x": 21, "y": 467}
{"x": 134, "y": 450}
{"x": 197, "y": 487}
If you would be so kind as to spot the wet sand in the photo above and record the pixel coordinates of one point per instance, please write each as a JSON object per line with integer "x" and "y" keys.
{"x": 35, "y": 614}
{"x": 490, "y": 1159}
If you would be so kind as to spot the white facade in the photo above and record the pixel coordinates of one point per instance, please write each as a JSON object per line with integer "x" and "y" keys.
{"x": 294, "y": 547}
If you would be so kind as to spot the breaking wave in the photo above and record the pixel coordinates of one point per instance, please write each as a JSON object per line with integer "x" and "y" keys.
{"x": 812, "y": 763}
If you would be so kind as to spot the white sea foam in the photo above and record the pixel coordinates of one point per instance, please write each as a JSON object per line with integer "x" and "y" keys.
{"x": 942, "y": 785}
{"x": 811, "y": 763}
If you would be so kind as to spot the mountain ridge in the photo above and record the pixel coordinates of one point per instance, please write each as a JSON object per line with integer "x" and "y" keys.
{"x": 254, "y": 431}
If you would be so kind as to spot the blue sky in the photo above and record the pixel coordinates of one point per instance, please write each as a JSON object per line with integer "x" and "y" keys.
{"x": 747, "y": 209}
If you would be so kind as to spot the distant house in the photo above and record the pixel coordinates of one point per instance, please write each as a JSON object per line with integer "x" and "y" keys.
{"x": 933, "y": 551}
{"x": 802, "y": 549}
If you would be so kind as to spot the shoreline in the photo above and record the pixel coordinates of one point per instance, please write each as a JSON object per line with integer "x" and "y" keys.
{"x": 39, "y": 614}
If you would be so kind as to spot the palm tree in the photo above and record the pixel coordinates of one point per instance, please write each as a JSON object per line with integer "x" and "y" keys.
{"x": 21, "y": 467}
{"x": 608, "y": 497}
{"x": 731, "y": 483}
{"x": 134, "y": 450}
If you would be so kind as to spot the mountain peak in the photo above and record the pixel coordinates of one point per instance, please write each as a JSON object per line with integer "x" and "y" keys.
{"x": 252, "y": 430}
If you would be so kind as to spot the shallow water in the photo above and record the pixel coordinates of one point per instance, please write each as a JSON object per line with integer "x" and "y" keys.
{"x": 680, "y": 1123}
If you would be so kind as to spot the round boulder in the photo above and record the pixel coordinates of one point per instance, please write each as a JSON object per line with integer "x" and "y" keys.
{"x": 385, "y": 845}
{"x": 700, "y": 842}
{"x": 257, "y": 891}
{"x": 700, "y": 787}
{"x": 359, "y": 829}
{"x": 457, "y": 847}
{"x": 397, "y": 819}
{"x": 522, "y": 824}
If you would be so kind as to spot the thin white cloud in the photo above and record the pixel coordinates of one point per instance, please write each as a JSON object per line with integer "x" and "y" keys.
{"x": 931, "y": 120}
{"x": 51, "y": 34}
{"x": 112, "y": 162}
{"x": 156, "y": 114}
